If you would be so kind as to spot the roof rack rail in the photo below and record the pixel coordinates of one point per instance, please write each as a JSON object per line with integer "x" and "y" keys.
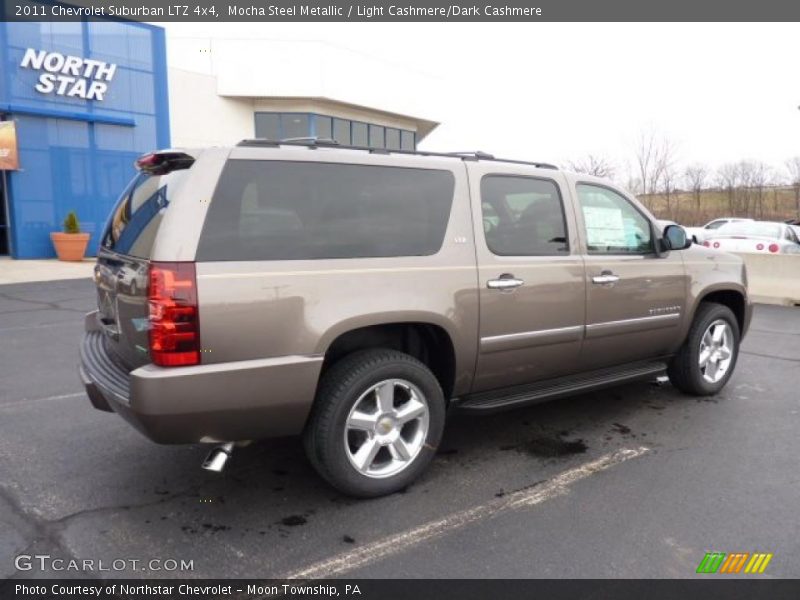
{"x": 310, "y": 140}
{"x": 295, "y": 141}
{"x": 473, "y": 155}
{"x": 314, "y": 142}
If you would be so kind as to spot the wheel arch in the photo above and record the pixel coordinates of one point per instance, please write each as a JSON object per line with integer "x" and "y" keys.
{"x": 428, "y": 339}
{"x": 732, "y": 297}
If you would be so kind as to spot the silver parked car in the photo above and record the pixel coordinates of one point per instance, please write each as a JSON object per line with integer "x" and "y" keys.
{"x": 755, "y": 236}
{"x": 700, "y": 234}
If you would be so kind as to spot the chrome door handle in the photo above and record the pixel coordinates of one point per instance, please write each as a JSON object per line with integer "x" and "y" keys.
{"x": 504, "y": 283}
{"x": 605, "y": 277}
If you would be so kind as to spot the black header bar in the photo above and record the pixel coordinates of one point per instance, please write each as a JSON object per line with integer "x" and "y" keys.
{"x": 403, "y": 10}
{"x": 701, "y": 588}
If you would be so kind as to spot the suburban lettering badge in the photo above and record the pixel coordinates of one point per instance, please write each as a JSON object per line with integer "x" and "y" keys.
{"x": 67, "y": 75}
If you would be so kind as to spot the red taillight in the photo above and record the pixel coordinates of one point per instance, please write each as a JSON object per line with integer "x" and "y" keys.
{"x": 774, "y": 248}
{"x": 706, "y": 244}
{"x": 716, "y": 244}
{"x": 174, "y": 322}
{"x": 759, "y": 246}
{"x": 147, "y": 160}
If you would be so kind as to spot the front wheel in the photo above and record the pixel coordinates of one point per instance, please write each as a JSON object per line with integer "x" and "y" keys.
{"x": 376, "y": 423}
{"x": 706, "y": 360}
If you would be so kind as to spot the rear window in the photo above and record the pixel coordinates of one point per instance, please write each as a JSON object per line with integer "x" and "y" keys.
{"x": 133, "y": 224}
{"x": 751, "y": 228}
{"x": 278, "y": 210}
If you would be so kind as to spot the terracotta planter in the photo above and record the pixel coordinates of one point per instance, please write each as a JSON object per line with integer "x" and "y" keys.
{"x": 70, "y": 246}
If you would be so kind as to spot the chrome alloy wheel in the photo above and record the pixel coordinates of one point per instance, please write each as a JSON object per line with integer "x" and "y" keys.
{"x": 716, "y": 351}
{"x": 386, "y": 428}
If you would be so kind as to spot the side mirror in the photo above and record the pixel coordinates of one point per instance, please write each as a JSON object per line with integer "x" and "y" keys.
{"x": 675, "y": 238}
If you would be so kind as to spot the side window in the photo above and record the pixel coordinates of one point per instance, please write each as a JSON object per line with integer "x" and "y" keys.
{"x": 613, "y": 225}
{"x": 523, "y": 216}
{"x": 279, "y": 210}
{"x": 715, "y": 224}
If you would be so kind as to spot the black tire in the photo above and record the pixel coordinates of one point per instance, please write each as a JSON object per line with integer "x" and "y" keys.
{"x": 339, "y": 390}
{"x": 684, "y": 370}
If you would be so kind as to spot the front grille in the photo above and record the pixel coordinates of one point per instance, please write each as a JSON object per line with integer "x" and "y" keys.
{"x": 101, "y": 368}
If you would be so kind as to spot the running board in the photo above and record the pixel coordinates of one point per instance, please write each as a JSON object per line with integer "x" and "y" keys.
{"x": 496, "y": 400}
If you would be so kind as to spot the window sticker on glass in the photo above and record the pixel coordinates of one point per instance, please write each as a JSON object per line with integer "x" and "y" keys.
{"x": 604, "y": 226}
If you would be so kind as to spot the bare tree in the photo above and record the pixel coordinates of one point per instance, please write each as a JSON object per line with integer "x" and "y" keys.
{"x": 744, "y": 190}
{"x": 759, "y": 178}
{"x": 646, "y": 150}
{"x": 793, "y": 167}
{"x": 728, "y": 180}
{"x": 654, "y": 156}
{"x": 593, "y": 165}
{"x": 695, "y": 176}
{"x": 668, "y": 185}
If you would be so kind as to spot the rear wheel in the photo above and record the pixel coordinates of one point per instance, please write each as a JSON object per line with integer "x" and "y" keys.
{"x": 706, "y": 360}
{"x": 376, "y": 422}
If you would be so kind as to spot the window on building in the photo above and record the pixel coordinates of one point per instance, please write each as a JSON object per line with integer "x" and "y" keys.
{"x": 268, "y": 126}
{"x": 341, "y": 131}
{"x": 360, "y": 134}
{"x": 392, "y": 138}
{"x": 376, "y": 137}
{"x": 278, "y": 126}
{"x": 407, "y": 141}
{"x": 523, "y": 216}
{"x": 280, "y": 210}
{"x": 323, "y": 126}
{"x": 294, "y": 125}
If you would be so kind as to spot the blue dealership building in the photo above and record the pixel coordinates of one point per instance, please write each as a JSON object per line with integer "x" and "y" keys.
{"x": 86, "y": 98}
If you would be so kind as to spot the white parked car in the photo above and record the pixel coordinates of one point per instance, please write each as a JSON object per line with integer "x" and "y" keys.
{"x": 755, "y": 236}
{"x": 700, "y": 234}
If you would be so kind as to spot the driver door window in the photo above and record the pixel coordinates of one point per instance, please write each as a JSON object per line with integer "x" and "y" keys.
{"x": 612, "y": 225}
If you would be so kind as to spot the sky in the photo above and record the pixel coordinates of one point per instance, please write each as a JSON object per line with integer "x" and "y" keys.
{"x": 559, "y": 91}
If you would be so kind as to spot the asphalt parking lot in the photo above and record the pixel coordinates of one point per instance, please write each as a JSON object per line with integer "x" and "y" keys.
{"x": 638, "y": 481}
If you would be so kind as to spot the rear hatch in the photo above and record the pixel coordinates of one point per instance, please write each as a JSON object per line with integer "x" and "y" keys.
{"x": 123, "y": 260}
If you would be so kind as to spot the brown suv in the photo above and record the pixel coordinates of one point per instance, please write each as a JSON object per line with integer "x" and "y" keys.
{"x": 354, "y": 295}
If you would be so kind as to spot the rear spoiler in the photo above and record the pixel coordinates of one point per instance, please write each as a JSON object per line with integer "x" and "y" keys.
{"x": 161, "y": 163}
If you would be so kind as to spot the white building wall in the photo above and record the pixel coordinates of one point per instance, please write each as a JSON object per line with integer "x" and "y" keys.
{"x": 321, "y": 70}
{"x": 200, "y": 117}
{"x": 213, "y": 101}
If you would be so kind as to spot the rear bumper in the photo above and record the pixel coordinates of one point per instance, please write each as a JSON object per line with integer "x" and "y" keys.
{"x": 243, "y": 400}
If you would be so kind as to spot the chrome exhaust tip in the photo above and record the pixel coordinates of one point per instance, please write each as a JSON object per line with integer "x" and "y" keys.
{"x": 218, "y": 458}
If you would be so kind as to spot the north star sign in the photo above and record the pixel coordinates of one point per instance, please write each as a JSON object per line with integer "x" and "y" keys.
{"x": 71, "y": 76}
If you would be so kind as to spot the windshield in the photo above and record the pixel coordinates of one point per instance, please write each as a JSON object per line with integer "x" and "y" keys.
{"x": 751, "y": 229}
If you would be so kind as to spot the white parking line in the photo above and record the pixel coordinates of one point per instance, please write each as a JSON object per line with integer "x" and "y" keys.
{"x": 29, "y": 400}
{"x": 399, "y": 542}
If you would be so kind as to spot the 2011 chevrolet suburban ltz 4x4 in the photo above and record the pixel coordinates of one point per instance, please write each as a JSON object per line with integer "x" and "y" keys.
{"x": 354, "y": 295}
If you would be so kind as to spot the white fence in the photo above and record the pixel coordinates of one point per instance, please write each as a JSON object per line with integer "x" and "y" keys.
{"x": 773, "y": 279}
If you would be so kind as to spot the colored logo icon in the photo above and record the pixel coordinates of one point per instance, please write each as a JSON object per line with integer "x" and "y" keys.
{"x": 736, "y": 562}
